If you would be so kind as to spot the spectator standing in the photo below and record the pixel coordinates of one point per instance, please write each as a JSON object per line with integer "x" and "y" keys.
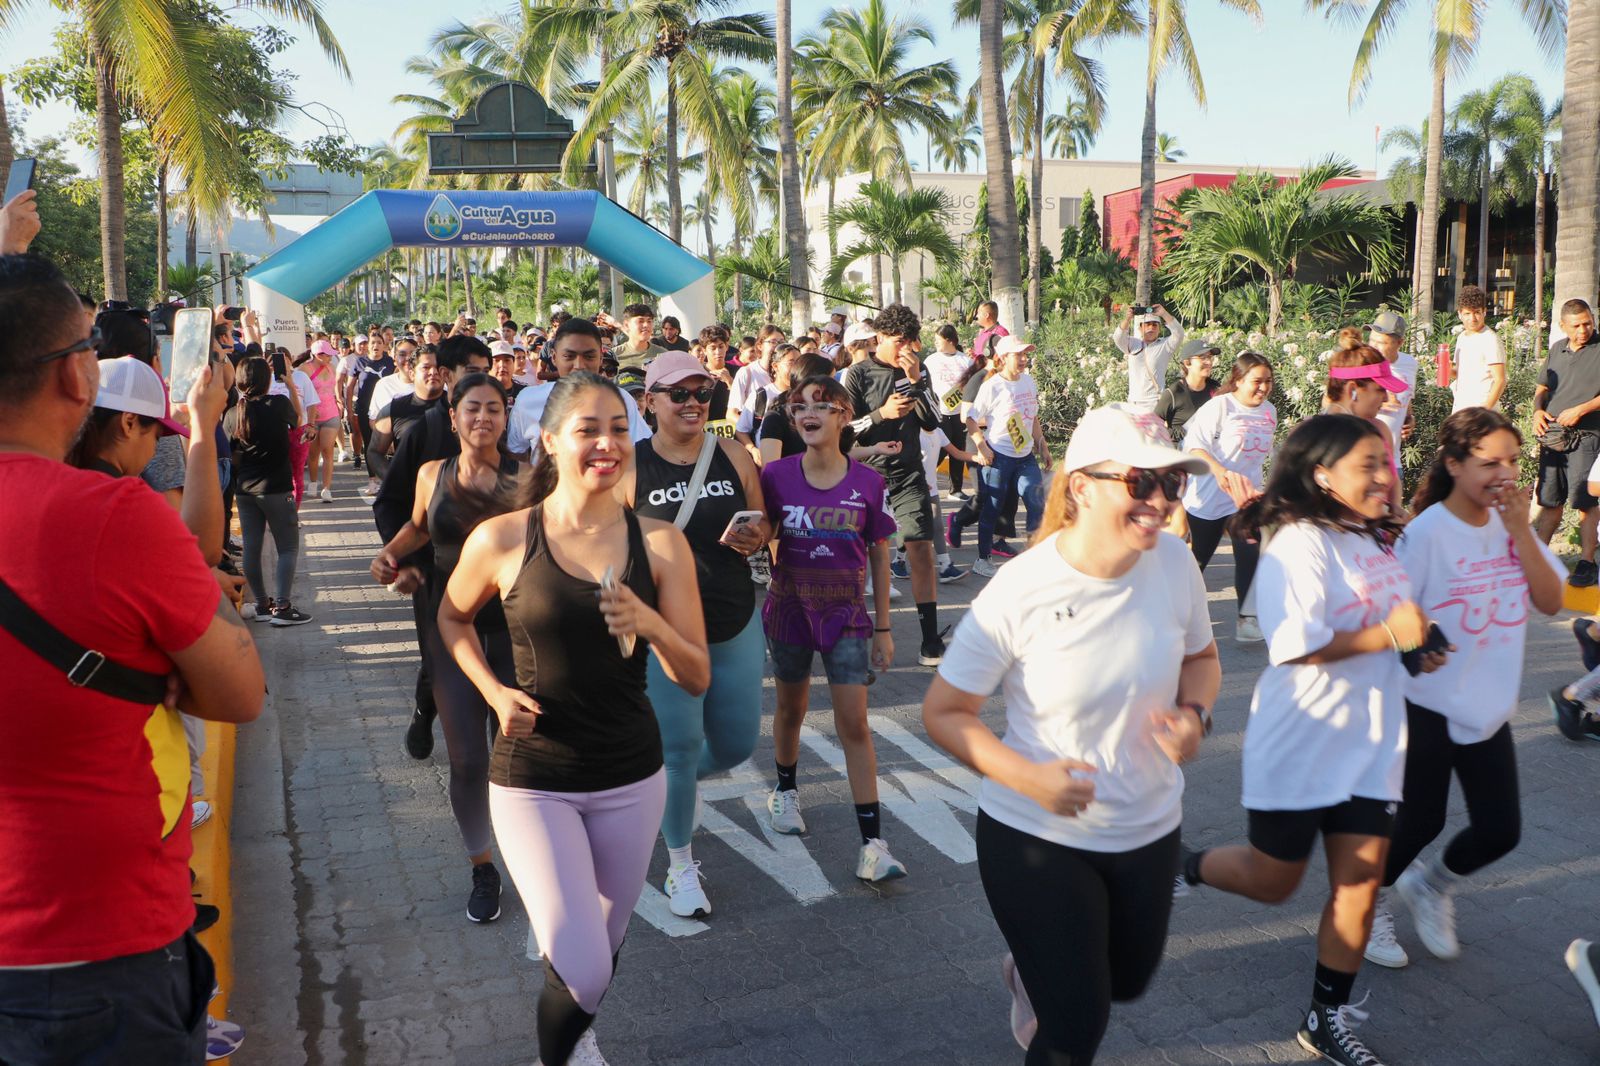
{"x": 1480, "y": 361}
{"x": 1180, "y": 400}
{"x": 258, "y": 427}
{"x": 672, "y": 338}
{"x": 1149, "y": 353}
{"x": 1387, "y": 334}
{"x": 989, "y": 330}
{"x": 1566, "y": 420}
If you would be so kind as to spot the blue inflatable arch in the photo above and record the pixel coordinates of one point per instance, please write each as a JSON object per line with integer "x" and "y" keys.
{"x": 280, "y": 286}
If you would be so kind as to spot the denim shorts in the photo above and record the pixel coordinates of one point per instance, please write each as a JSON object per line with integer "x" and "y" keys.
{"x": 845, "y": 664}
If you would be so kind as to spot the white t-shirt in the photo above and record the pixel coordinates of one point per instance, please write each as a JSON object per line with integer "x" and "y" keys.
{"x": 348, "y": 365}
{"x": 307, "y": 390}
{"x": 746, "y": 380}
{"x": 522, "y": 427}
{"x": 746, "y": 422}
{"x": 933, "y": 442}
{"x": 945, "y": 371}
{"x": 1007, "y": 410}
{"x": 1475, "y": 354}
{"x": 1083, "y": 663}
{"x": 1394, "y": 411}
{"x": 1321, "y": 734}
{"x": 1147, "y": 364}
{"x": 387, "y": 391}
{"x": 1238, "y": 437}
{"x": 1469, "y": 580}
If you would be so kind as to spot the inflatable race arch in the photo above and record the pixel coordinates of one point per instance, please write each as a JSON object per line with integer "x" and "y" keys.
{"x": 280, "y": 286}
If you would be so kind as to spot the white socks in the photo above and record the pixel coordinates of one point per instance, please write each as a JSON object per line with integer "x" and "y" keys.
{"x": 677, "y": 858}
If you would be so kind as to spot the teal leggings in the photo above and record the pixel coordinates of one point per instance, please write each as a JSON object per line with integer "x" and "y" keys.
{"x": 702, "y": 735}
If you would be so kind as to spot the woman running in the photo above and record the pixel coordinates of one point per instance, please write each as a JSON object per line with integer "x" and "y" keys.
{"x": 1475, "y": 564}
{"x": 701, "y": 733}
{"x": 1233, "y": 433}
{"x": 948, "y": 369}
{"x": 830, "y": 520}
{"x": 1360, "y": 380}
{"x": 324, "y": 375}
{"x": 1100, "y": 638}
{"x": 1325, "y": 748}
{"x": 576, "y": 786}
{"x": 453, "y": 496}
{"x": 1009, "y": 445}
{"x": 259, "y": 428}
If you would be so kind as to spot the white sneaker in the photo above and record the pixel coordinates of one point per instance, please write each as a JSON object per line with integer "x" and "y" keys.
{"x": 1248, "y": 631}
{"x": 326, "y": 495}
{"x": 1382, "y": 947}
{"x": 587, "y": 1053}
{"x": 761, "y": 568}
{"x": 200, "y": 813}
{"x": 876, "y": 864}
{"x": 262, "y": 611}
{"x": 685, "y": 897}
{"x": 1023, "y": 1021}
{"x": 1581, "y": 959}
{"x": 985, "y": 568}
{"x": 1433, "y": 912}
{"x": 783, "y": 805}
{"x": 343, "y": 456}
{"x": 1180, "y": 888}
{"x": 894, "y": 593}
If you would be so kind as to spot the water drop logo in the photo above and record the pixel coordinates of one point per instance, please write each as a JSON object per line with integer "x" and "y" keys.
{"x": 442, "y": 221}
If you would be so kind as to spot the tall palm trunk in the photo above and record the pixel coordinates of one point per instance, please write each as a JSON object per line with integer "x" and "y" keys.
{"x": 449, "y": 286}
{"x": 8, "y": 151}
{"x": 794, "y": 220}
{"x": 411, "y": 285}
{"x": 161, "y": 231}
{"x": 608, "y": 164}
{"x": 738, "y": 285}
{"x": 1538, "y": 255}
{"x": 1578, "y": 209}
{"x": 191, "y": 239}
{"x": 876, "y": 275}
{"x": 541, "y": 281}
{"x": 894, "y": 279}
{"x": 833, "y": 231}
{"x": 1483, "y": 215}
{"x": 1036, "y": 197}
{"x": 466, "y": 283}
{"x": 674, "y": 174}
{"x": 1147, "y": 183}
{"x": 711, "y": 249}
{"x": 1002, "y": 206}
{"x": 113, "y": 202}
{"x": 1428, "y": 238}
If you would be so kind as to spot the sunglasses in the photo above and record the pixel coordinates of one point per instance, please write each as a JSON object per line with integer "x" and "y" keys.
{"x": 681, "y": 395}
{"x": 89, "y": 342}
{"x": 1143, "y": 483}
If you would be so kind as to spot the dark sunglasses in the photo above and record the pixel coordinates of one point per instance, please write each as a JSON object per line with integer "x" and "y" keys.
{"x": 1143, "y": 483}
{"x": 681, "y": 395}
{"x": 91, "y": 341}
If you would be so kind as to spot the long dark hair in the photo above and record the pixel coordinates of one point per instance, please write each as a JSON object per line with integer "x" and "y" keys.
{"x": 255, "y": 378}
{"x": 805, "y": 366}
{"x": 563, "y": 398}
{"x": 1460, "y": 434}
{"x": 1292, "y": 493}
{"x": 472, "y": 503}
{"x": 100, "y": 433}
{"x": 833, "y": 392}
{"x": 1245, "y": 362}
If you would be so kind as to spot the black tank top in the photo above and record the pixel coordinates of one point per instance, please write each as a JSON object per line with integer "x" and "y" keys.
{"x": 448, "y": 529}
{"x": 597, "y": 729}
{"x": 727, "y": 594}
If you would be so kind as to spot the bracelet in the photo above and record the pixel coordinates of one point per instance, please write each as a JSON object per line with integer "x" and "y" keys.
{"x": 1393, "y": 641}
{"x": 885, "y": 629}
{"x": 1206, "y": 723}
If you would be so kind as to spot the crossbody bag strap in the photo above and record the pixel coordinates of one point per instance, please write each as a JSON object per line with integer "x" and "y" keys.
{"x": 84, "y": 667}
{"x": 691, "y": 495}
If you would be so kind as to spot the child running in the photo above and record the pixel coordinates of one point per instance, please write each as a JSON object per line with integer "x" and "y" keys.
{"x": 830, "y": 519}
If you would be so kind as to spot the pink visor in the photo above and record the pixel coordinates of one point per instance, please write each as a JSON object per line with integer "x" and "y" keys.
{"x": 1382, "y": 373}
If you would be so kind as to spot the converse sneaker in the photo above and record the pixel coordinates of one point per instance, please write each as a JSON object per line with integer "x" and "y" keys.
{"x": 876, "y": 864}
{"x": 483, "y": 905}
{"x": 1583, "y": 959}
{"x": 1433, "y": 912}
{"x": 1023, "y": 1021}
{"x": 1330, "y": 1032}
{"x": 1382, "y": 947}
{"x": 1248, "y": 631}
{"x": 783, "y": 806}
{"x": 199, "y": 814}
{"x": 685, "y": 896}
{"x": 985, "y": 568}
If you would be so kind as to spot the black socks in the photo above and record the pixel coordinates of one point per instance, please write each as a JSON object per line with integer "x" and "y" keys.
{"x": 867, "y": 820}
{"x": 928, "y": 615}
{"x": 1332, "y": 988}
{"x": 786, "y": 779}
{"x": 1191, "y": 866}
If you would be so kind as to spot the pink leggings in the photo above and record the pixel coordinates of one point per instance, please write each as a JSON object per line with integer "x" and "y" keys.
{"x": 299, "y": 451}
{"x": 578, "y": 860}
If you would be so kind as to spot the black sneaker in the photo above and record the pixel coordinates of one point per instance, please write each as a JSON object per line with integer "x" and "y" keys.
{"x": 932, "y": 653}
{"x": 1330, "y": 1032}
{"x": 287, "y": 615}
{"x": 419, "y": 735}
{"x": 1569, "y": 714}
{"x": 1584, "y": 575}
{"x": 484, "y": 903}
{"x": 205, "y": 916}
{"x": 952, "y": 530}
{"x": 1588, "y": 647}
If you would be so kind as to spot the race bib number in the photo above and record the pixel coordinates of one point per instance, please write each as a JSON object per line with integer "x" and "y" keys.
{"x": 1017, "y": 430}
{"x": 951, "y": 403}
{"x": 722, "y": 427}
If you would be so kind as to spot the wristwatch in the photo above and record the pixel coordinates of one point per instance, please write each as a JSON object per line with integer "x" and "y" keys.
{"x": 1203, "y": 711}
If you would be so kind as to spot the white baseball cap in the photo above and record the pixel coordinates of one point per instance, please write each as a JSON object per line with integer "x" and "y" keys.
{"x": 1008, "y": 345}
{"x": 502, "y": 350}
{"x": 859, "y": 331}
{"x": 1119, "y": 433}
{"x": 840, "y": 311}
{"x": 1147, "y": 318}
{"x": 129, "y": 385}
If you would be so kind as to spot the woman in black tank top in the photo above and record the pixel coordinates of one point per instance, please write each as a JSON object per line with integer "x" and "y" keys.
{"x": 453, "y": 496}
{"x": 709, "y": 733}
{"x": 576, "y": 787}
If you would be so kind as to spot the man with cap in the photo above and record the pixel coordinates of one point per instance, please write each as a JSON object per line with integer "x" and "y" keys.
{"x": 832, "y": 340}
{"x": 1149, "y": 353}
{"x": 503, "y": 366}
{"x": 1387, "y": 333}
{"x": 576, "y": 346}
{"x": 1180, "y": 400}
{"x": 632, "y": 381}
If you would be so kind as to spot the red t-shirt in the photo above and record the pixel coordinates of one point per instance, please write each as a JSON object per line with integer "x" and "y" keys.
{"x": 94, "y": 791}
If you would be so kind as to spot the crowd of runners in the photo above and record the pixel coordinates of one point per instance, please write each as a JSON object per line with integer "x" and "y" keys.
{"x": 610, "y": 535}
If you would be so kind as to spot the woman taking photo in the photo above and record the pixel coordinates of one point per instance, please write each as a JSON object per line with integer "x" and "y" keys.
{"x": 1233, "y": 433}
{"x": 1099, "y": 638}
{"x": 701, "y": 733}
{"x": 259, "y": 428}
{"x": 576, "y": 785}
{"x": 1475, "y": 565}
{"x": 1325, "y": 750}
{"x": 453, "y": 496}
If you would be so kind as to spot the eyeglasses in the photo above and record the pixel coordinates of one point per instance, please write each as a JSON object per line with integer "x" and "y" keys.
{"x": 89, "y": 342}
{"x": 681, "y": 395}
{"x": 799, "y": 410}
{"x": 1143, "y": 483}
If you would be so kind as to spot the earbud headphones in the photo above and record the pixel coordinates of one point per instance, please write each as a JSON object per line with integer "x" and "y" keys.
{"x": 1322, "y": 479}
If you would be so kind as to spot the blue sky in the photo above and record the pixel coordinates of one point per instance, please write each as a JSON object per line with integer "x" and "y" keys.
{"x": 1277, "y": 92}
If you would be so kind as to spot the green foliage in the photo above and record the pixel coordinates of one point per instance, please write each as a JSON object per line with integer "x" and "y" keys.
{"x": 69, "y": 207}
{"x": 1088, "y": 225}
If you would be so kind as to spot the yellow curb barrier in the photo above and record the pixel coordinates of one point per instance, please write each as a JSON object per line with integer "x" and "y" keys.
{"x": 1585, "y": 600}
{"x": 212, "y": 857}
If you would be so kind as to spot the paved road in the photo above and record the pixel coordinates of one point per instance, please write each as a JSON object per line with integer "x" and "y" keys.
{"x": 353, "y": 945}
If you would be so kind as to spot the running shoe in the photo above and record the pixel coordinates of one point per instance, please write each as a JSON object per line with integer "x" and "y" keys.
{"x": 1584, "y": 575}
{"x": 205, "y": 916}
{"x": 1248, "y": 631}
{"x": 1569, "y": 714}
{"x": 1002, "y": 549}
{"x": 587, "y": 1052}
{"x": 760, "y": 568}
{"x": 685, "y": 896}
{"x": 985, "y": 568}
{"x": 900, "y": 569}
{"x": 199, "y": 814}
{"x": 1330, "y": 1032}
{"x": 931, "y": 652}
{"x": 223, "y": 1038}
{"x": 1433, "y": 912}
{"x": 783, "y": 807}
{"x": 326, "y": 495}
{"x": 952, "y": 530}
{"x": 951, "y": 572}
{"x": 876, "y": 864}
{"x": 483, "y": 905}
{"x": 343, "y": 456}
{"x": 419, "y": 735}
{"x": 286, "y": 614}
{"x": 1023, "y": 1021}
{"x": 1382, "y": 947}
{"x": 262, "y": 610}
{"x": 232, "y": 547}
{"x": 1583, "y": 959}
{"x": 894, "y": 593}
{"x": 1180, "y": 888}
{"x": 1588, "y": 647}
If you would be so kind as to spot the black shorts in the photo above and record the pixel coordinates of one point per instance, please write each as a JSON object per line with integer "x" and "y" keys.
{"x": 908, "y": 501}
{"x": 1288, "y": 836}
{"x": 1564, "y": 476}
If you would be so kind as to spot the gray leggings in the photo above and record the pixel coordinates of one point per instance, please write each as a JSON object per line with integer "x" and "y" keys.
{"x": 276, "y": 512}
{"x": 466, "y": 718}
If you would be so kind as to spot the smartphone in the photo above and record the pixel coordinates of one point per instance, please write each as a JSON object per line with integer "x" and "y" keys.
{"x": 19, "y": 180}
{"x": 191, "y": 349}
{"x": 1139, "y": 309}
{"x": 608, "y": 583}
{"x": 233, "y": 314}
{"x": 1436, "y": 641}
{"x": 739, "y": 520}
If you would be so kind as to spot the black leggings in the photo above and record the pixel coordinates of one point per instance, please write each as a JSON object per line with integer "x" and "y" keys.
{"x": 955, "y": 428}
{"x": 1204, "y": 536}
{"x": 468, "y": 723}
{"x": 1488, "y": 774}
{"x": 1085, "y": 927}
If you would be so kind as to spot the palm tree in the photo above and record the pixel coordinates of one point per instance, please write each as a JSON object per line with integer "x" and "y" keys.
{"x": 642, "y": 155}
{"x": 702, "y": 211}
{"x": 1578, "y": 210}
{"x": 1070, "y": 134}
{"x": 765, "y": 263}
{"x": 956, "y": 144}
{"x": 794, "y": 218}
{"x": 1167, "y": 150}
{"x": 1455, "y": 40}
{"x": 895, "y": 224}
{"x": 1001, "y": 209}
{"x": 1479, "y": 116}
{"x": 1406, "y": 174}
{"x": 1530, "y": 128}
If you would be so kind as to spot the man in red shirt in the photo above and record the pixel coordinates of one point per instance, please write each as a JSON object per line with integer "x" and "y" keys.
{"x": 97, "y": 962}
